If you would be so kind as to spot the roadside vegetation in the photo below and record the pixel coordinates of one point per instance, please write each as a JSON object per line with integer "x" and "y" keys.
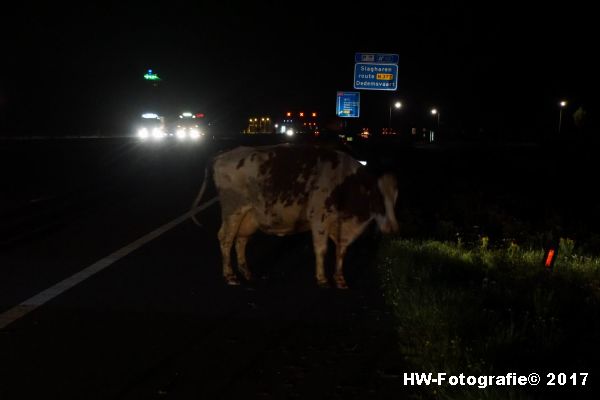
{"x": 483, "y": 310}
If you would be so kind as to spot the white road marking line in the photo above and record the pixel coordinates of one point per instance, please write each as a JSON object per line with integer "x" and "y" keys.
{"x": 43, "y": 297}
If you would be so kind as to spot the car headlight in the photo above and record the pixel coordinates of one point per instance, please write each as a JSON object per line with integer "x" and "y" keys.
{"x": 289, "y": 132}
{"x": 194, "y": 133}
{"x": 158, "y": 133}
{"x": 143, "y": 133}
{"x": 180, "y": 133}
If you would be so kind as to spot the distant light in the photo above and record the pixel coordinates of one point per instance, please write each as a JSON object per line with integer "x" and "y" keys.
{"x": 314, "y": 114}
{"x": 151, "y": 76}
{"x": 434, "y": 111}
{"x": 563, "y": 103}
{"x": 187, "y": 114}
{"x": 283, "y": 129}
{"x": 289, "y": 132}
{"x": 288, "y": 114}
{"x": 302, "y": 114}
{"x": 363, "y": 162}
{"x": 276, "y": 126}
{"x": 150, "y": 116}
{"x": 397, "y": 104}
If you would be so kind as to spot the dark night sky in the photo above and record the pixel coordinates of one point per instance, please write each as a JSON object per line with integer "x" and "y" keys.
{"x": 81, "y": 66}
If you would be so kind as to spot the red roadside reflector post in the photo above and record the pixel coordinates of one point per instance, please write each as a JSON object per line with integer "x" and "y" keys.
{"x": 549, "y": 258}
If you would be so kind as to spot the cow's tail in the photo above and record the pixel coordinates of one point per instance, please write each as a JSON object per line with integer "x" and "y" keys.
{"x": 196, "y": 204}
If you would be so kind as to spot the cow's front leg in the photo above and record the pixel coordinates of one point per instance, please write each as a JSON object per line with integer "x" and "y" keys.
{"x": 320, "y": 246}
{"x": 338, "y": 276}
{"x": 240, "y": 250}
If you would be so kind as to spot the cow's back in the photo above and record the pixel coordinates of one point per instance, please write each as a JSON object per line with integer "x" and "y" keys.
{"x": 280, "y": 183}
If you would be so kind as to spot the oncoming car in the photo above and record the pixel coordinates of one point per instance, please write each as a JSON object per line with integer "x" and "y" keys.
{"x": 151, "y": 126}
{"x": 189, "y": 126}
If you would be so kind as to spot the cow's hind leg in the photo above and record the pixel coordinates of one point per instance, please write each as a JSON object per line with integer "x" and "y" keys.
{"x": 227, "y": 234}
{"x": 320, "y": 246}
{"x": 247, "y": 227}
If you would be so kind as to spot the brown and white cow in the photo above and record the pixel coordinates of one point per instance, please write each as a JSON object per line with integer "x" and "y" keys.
{"x": 286, "y": 189}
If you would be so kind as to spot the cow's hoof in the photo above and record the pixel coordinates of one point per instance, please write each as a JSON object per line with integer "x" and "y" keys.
{"x": 249, "y": 277}
{"x": 323, "y": 284}
{"x": 340, "y": 283}
{"x": 245, "y": 271}
{"x": 232, "y": 281}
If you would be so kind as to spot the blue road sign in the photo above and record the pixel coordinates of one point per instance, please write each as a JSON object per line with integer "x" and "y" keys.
{"x": 348, "y": 104}
{"x": 376, "y": 58}
{"x": 372, "y": 76}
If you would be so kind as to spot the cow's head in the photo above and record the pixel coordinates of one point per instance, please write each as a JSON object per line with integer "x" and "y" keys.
{"x": 388, "y": 187}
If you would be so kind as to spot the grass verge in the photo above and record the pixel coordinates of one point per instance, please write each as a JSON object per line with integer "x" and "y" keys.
{"x": 481, "y": 311}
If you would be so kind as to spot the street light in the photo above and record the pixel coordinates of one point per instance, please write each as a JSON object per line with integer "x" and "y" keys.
{"x": 435, "y": 112}
{"x": 397, "y": 106}
{"x": 562, "y": 105}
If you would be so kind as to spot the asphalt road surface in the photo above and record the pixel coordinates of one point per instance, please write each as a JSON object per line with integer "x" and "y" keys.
{"x": 157, "y": 320}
